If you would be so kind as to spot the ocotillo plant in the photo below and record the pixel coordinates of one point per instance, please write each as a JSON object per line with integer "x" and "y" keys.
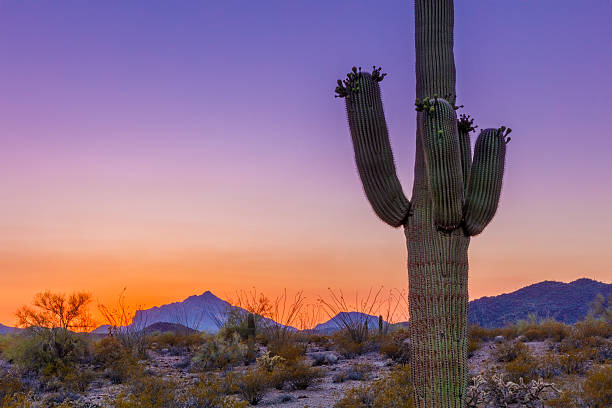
{"x": 453, "y": 198}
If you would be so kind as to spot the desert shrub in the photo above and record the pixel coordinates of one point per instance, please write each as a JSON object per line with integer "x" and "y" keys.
{"x": 546, "y": 329}
{"x": 481, "y": 334}
{"x": 177, "y": 344}
{"x": 252, "y": 385}
{"x": 603, "y": 353}
{"x": 598, "y": 387}
{"x": 393, "y": 391}
{"x": 289, "y": 350}
{"x": 148, "y": 392}
{"x": 549, "y": 365}
{"x": 209, "y": 393}
{"x": 295, "y": 374}
{"x": 117, "y": 362}
{"x": 49, "y": 352}
{"x": 524, "y": 367}
{"x": 323, "y": 342}
{"x": 268, "y": 363}
{"x": 590, "y": 331}
{"x": 219, "y": 352}
{"x": 347, "y": 346}
{"x": 395, "y": 345}
{"x": 472, "y": 346}
{"x": 494, "y": 392}
{"x": 12, "y": 390}
{"x": 323, "y": 358}
{"x": 18, "y": 400}
{"x": 510, "y": 351}
{"x": 575, "y": 361}
{"x": 356, "y": 372}
{"x": 567, "y": 398}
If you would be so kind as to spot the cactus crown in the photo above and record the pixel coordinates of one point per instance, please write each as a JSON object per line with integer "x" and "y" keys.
{"x": 350, "y": 85}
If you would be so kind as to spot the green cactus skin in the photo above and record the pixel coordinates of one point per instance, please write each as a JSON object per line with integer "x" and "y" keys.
{"x": 486, "y": 180}
{"x": 373, "y": 152}
{"x": 452, "y": 199}
{"x": 443, "y": 163}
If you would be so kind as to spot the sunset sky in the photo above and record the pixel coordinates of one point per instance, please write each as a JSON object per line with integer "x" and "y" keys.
{"x": 178, "y": 147}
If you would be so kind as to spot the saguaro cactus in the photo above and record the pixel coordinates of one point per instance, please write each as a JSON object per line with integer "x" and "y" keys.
{"x": 453, "y": 198}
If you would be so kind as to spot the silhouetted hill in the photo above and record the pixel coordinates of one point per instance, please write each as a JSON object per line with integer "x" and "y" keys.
{"x": 338, "y": 322}
{"x": 565, "y": 302}
{"x": 7, "y": 330}
{"x": 163, "y": 327}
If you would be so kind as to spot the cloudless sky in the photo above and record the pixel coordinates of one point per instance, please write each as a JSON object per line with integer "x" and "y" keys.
{"x": 178, "y": 147}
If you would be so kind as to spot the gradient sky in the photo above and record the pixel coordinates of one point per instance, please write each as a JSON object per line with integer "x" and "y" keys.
{"x": 178, "y": 147}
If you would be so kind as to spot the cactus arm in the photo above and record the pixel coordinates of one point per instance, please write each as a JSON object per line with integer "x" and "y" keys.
{"x": 486, "y": 180}
{"x": 442, "y": 161}
{"x": 435, "y": 60}
{"x": 373, "y": 153}
{"x": 465, "y": 125}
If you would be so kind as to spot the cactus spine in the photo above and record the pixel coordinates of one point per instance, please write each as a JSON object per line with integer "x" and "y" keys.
{"x": 453, "y": 199}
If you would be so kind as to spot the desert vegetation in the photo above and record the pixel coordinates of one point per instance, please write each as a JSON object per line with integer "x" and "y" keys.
{"x": 532, "y": 363}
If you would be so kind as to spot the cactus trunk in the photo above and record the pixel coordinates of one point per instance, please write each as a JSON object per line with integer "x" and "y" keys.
{"x": 438, "y": 299}
{"x": 453, "y": 198}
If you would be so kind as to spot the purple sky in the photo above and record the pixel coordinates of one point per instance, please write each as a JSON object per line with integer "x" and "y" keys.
{"x": 173, "y": 128}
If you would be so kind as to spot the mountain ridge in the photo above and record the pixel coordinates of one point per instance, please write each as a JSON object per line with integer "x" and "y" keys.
{"x": 566, "y": 302}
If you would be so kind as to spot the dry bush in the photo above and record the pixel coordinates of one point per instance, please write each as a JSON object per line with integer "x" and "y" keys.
{"x": 354, "y": 319}
{"x": 590, "y": 331}
{"x": 252, "y": 385}
{"x": 245, "y": 303}
{"x": 549, "y": 366}
{"x": 481, "y": 334}
{"x": 12, "y": 390}
{"x": 393, "y": 391}
{"x": 395, "y": 345}
{"x": 308, "y": 317}
{"x": 218, "y": 352}
{"x": 284, "y": 314}
{"x": 473, "y": 345}
{"x": 347, "y": 346}
{"x": 320, "y": 341}
{"x": 509, "y": 351}
{"x": 575, "y": 361}
{"x": 494, "y": 392}
{"x": 177, "y": 344}
{"x": 524, "y": 367}
{"x": 48, "y": 352}
{"x": 546, "y": 329}
{"x": 209, "y": 392}
{"x": 356, "y": 372}
{"x": 598, "y": 387}
{"x": 117, "y": 362}
{"x": 269, "y": 363}
{"x": 567, "y": 398}
{"x": 288, "y": 351}
{"x": 148, "y": 392}
{"x": 125, "y": 327}
{"x": 57, "y": 311}
{"x": 295, "y": 374}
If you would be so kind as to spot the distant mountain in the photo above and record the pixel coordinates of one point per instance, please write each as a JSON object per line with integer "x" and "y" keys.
{"x": 205, "y": 312}
{"x": 8, "y": 330}
{"x": 341, "y": 319}
{"x": 163, "y": 327}
{"x": 565, "y": 302}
